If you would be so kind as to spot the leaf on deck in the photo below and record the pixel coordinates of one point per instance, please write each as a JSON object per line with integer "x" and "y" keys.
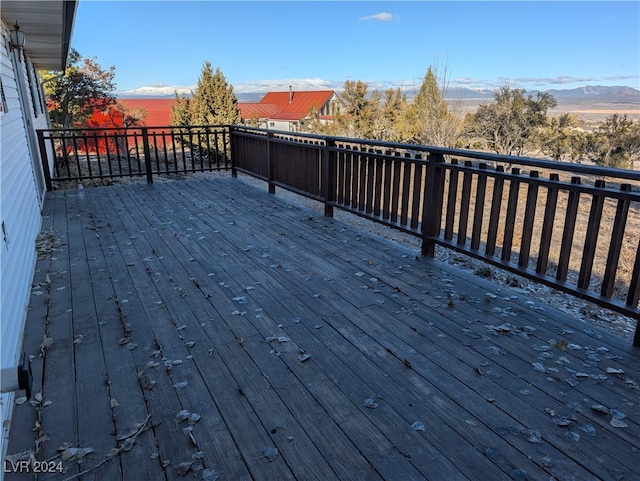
{"x": 370, "y": 403}
{"x": 210, "y": 475}
{"x": 418, "y": 426}
{"x": 600, "y": 408}
{"x": 304, "y": 357}
{"x": 181, "y": 416}
{"x": 270, "y": 453}
{"x": 183, "y": 468}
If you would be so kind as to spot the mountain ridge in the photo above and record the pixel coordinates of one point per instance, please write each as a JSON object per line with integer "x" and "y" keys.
{"x": 588, "y": 92}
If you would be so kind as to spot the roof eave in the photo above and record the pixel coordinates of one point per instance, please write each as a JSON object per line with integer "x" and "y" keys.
{"x": 48, "y": 28}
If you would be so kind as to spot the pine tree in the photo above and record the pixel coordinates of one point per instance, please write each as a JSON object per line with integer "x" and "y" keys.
{"x": 214, "y": 102}
{"x": 181, "y": 111}
{"x": 428, "y": 119}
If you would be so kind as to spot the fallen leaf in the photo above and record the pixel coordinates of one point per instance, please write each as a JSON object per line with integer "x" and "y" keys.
{"x": 303, "y": 357}
{"x": 270, "y": 453}
{"x": 600, "y": 408}
{"x": 613, "y": 370}
{"x": 370, "y": 403}
{"x": 181, "y": 416}
{"x": 183, "y": 468}
{"x": 210, "y": 475}
{"x": 618, "y": 423}
{"x": 418, "y": 426}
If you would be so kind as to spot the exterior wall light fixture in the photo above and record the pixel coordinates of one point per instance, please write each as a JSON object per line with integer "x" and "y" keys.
{"x": 17, "y": 37}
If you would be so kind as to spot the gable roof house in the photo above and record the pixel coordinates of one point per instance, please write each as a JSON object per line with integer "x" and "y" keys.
{"x": 40, "y": 43}
{"x": 289, "y": 111}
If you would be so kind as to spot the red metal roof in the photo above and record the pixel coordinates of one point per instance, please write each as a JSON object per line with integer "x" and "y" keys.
{"x": 257, "y": 109}
{"x": 158, "y": 110}
{"x": 296, "y": 105}
{"x": 274, "y": 105}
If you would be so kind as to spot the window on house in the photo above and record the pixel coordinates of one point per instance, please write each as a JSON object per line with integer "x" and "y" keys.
{"x": 3, "y": 107}
{"x": 272, "y": 124}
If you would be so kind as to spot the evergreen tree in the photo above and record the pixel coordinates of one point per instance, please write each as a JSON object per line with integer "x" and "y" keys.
{"x": 560, "y": 138}
{"x": 356, "y": 118}
{"x": 508, "y": 125}
{"x": 388, "y": 124}
{"x": 214, "y": 102}
{"x": 428, "y": 119}
{"x": 616, "y": 142}
{"x": 181, "y": 111}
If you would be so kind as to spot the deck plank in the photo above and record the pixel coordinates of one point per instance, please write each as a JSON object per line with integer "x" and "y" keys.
{"x": 212, "y": 272}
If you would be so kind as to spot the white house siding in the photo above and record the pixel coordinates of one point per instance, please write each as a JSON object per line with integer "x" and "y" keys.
{"x": 20, "y": 214}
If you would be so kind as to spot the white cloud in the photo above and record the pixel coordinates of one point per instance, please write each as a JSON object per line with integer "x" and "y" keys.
{"x": 380, "y": 17}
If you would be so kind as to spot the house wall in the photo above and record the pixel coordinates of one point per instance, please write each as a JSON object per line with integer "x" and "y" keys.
{"x": 21, "y": 194}
{"x": 285, "y": 125}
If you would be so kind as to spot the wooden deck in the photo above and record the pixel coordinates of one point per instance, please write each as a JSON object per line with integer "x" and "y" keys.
{"x": 176, "y": 321}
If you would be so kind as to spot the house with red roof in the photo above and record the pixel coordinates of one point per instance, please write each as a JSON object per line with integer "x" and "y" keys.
{"x": 290, "y": 110}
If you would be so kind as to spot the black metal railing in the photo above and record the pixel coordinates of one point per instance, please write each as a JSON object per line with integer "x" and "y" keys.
{"x": 84, "y": 154}
{"x": 573, "y": 227}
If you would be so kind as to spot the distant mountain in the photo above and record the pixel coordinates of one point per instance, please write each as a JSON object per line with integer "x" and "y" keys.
{"x": 587, "y": 93}
{"x": 153, "y": 91}
{"x": 598, "y": 93}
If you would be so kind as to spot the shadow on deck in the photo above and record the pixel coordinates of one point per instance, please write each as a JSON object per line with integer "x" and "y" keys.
{"x": 208, "y": 328}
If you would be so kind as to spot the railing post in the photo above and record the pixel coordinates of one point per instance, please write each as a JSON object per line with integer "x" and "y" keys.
{"x": 147, "y": 155}
{"x": 234, "y": 147}
{"x": 328, "y": 176}
{"x": 634, "y": 294}
{"x": 270, "y": 163}
{"x": 45, "y": 160}
{"x": 432, "y": 210}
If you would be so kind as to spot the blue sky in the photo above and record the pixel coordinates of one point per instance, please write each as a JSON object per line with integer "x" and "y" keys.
{"x": 262, "y": 46}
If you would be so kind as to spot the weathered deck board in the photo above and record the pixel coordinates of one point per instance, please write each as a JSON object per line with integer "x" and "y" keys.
{"x": 202, "y": 277}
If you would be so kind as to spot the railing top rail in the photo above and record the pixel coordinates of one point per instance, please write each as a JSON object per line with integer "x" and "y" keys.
{"x": 119, "y": 129}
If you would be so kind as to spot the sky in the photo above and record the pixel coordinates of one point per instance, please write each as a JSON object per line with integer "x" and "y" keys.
{"x": 261, "y": 46}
